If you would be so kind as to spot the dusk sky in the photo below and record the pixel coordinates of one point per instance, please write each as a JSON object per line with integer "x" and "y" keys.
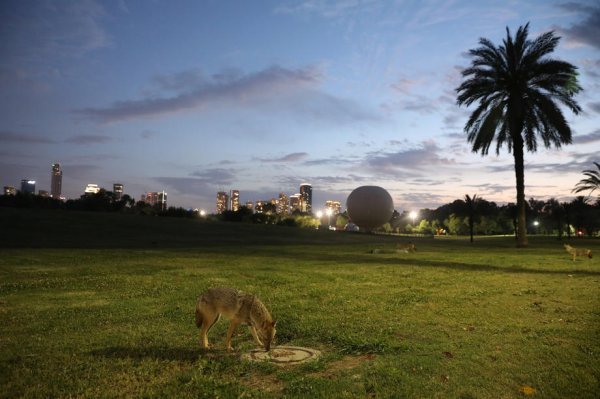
{"x": 194, "y": 97}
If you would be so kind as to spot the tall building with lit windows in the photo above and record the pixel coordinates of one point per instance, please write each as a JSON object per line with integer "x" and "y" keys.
{"x": 283, "y": 204}
{"x": 56, "y": 181}
{"x": 118, "y": 191}
{"x": 306, "y": 197}
{"x": 295, "y": 203}
{"x": 222, "y": 201}
{"x": 234, "y": 199}
{"x": 335, "y": 206}
{"x": 157, "y": 199}
{"x": 28, "y": 186}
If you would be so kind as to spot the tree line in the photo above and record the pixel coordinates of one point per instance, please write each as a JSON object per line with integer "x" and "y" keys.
{"x": 469, "y": 216}
{"x": 102, "y": 201}
{"x": 476, "y": 216}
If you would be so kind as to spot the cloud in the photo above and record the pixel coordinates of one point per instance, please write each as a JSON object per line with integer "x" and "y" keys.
{"x": 407, "y": 161}
{"x": 492, "y": 188}
{"x": 332, "y": 9}
{"x": 587, "y": 138}
{"x": 412, "y": 100}
{"x": 188, "y": 185}
{"x": 88, "y": 139}
{"x": 215, "y": 176}
{"x": 148, "y": 134}
{"x": 203, "y": 183}
{"x": 406, "y": 85}
{"x": 180, "y": 80}
{"x": 293, "y": 157}
{"x": 591, "y": 67}
{"x": 420, "y": 104}
{"x": 8, "y": 137}
{"x": 418, "y": 200}
{"x": 271, "y": 82}
{"x": 587, "y": 31}
{"x": 323, "y": 107}
{"x": 595, "y": 106}
{"x": 331, "y": 161}
{"x": 49, "y": 28}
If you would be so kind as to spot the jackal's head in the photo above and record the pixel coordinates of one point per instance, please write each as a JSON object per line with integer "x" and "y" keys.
{"x": 266, "y": 333}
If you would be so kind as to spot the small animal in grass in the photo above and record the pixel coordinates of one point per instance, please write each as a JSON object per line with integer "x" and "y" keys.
{"x": 406, "y": 247}
{"x": 578, "y": 251}
{"x": 239, "y": 308}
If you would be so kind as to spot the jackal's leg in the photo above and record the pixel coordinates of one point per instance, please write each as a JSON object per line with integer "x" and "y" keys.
{"x": 255, "y": 335}
{"x": 206, "y": 326}
{"x": 230, "y": 331}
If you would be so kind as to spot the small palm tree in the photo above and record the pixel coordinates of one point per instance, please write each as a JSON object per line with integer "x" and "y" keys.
{"x": 517, "y": 89}
{"x": 592, "y": 182}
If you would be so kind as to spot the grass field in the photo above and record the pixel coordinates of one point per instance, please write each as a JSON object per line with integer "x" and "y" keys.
{"x": 98, "y": 305}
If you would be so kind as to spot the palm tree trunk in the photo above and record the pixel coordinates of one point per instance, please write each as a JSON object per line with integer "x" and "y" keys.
{"x": 521, "y": 204}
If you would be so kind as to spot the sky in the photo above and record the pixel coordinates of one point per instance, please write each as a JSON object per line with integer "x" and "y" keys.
{"x": 195, "y": 97}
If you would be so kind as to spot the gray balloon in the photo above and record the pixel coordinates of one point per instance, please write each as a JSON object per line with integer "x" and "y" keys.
{"x": 370, "y": 207}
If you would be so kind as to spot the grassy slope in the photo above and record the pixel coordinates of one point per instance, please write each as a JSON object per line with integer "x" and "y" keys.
{"x": 95, "y": 310}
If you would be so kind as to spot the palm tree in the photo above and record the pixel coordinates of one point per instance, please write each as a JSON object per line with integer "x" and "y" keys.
{"x": 591, "y": 183}
{"x": 517, "y": 89}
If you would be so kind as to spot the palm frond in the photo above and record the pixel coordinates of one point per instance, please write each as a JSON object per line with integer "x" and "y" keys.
{"x": 592, "y": 183}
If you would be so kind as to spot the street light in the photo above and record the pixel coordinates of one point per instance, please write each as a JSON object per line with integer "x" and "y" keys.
{"x": 413, "y": 216}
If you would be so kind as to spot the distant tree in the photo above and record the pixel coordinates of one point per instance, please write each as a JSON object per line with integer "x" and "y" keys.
{"x": 457, "y": 225}
{"x": 535, "y": 210}
{"x": 592, "y": 183}
{"x": 471, "y": 207}
{"x": 584, "y": 216}
{"x": 556, "y": 213}
{"x": 517, "y": 89}
{"x": 341, "y": 221}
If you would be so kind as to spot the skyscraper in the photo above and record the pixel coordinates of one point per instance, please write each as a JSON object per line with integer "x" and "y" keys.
{"x": 91, "y": 189}
{"x": 295, "y": 203}
{"x": 306, "y": 197}
{"x": 28, "y": 186}
{"x": 157, "y": 199}
{"x": 235, "y": 200}
{"x": 56, "y": 181}
{"x": 118, "y": 191}
{"x": 283, "y": 204}
{"x": 335, "y": 206}
{"x": 222, "y": 201}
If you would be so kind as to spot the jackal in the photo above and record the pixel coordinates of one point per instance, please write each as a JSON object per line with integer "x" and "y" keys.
{"x": 407, "y": 247}
{"x": 578, "y": 251}
{"x": 240, "y": 308}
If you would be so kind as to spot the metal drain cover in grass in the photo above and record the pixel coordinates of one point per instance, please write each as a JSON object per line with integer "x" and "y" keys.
{"x": 283, "y": 355}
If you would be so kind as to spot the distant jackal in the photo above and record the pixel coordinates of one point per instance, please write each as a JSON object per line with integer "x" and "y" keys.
{"x": 407, "y": 247}
{"x": 578, "y": 251}
{"x": 240, "y": 308}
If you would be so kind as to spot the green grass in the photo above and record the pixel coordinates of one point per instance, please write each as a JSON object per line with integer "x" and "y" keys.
{"x": 92, "y": 310}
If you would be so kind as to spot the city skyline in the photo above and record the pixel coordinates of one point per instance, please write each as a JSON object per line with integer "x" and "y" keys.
{"x": 191, "y": 97}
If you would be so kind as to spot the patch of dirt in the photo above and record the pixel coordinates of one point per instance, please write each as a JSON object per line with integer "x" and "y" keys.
{"x": 257, "y": 381}
{"x": 263, "y": 382}
{"x": 345, "y": 364}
